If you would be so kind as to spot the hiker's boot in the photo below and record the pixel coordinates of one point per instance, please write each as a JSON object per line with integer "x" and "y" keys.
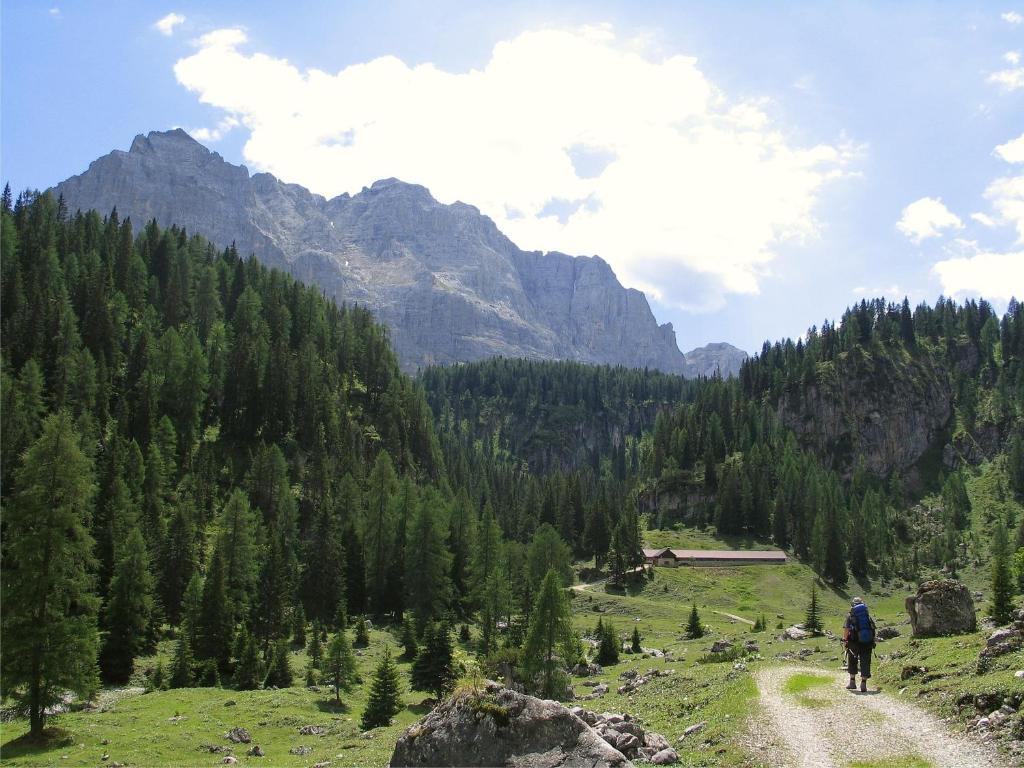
{"x": 852, "y": 685}
{"x": 863, "y": 685}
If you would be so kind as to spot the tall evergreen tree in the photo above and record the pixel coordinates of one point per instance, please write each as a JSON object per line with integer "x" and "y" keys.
{"x": 812, "y": 621}
{"x": 433, "y": 669}
{"x": 215, "y": 626}
{"x": 427, "y": 562}
{"x": 551, "y": 644}
{"x": 385, "y": 700}
{"x": 129, "y": 611}
{"x": 341, "y": 663}
{"x": 181, "y": 669}
{"x": 48, "y": 624}
{"x": 694, "y": 628}
{"x": 1002, "y": 584}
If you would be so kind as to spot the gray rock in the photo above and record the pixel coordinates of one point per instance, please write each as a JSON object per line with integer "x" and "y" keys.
{"x": 692, "y": 729}
{"x": 449, "y": 285}
{"x": 300, "y": 750}
{"x": 501, "y": 727}
{"x": 656, "y": 741}
{"x": 311, "y": 730}
{"x": 795, "y": 633}
{"x": 941, "y": 607}
{"x": 721, "y": 645}
{"x": 238, "y": 736}
{"x": 1003, "y": 641}
{"x": 887, "y": 633}
{"x": 666, "y": 756}
{"x": 255, "y": 751}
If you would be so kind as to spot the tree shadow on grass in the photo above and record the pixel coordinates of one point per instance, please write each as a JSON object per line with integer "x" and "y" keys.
{"x": 24, "y": 745}
{"x": 332, "y": 706}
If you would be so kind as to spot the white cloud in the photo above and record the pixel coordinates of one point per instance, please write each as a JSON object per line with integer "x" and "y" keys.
{"x": 1012, "y": 57}
{"x": 984, "y": 219}
{"x": 166, "y": 25}
{"x": 1012, "y": 151}
{"x": 217, "y": 132}
{"x": 1008, "y": 79}
{"x": 569, "y": 140}
{"x": 891, "y": 292}
{"x": 55, "y": 13}
{"x": 988, "y": 274}
{"x": 1007, "y": 197}
{"x": 927, "y": 217}
{"x": 1012, "y": 17}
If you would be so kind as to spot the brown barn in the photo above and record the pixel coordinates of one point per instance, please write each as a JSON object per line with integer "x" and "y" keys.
{"x": 713, "y": 557}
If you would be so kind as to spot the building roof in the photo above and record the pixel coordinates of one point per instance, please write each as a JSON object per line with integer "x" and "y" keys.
{"x": 728, "y": 554}
{"x": 657, "y": 552}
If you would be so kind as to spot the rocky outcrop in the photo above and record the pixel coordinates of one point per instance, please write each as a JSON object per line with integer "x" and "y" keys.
{"x": 501, "y": 727}
{"x": 941, "y": 607}
{"x": 886, "y": 411}
{"x": 449, "y": 285}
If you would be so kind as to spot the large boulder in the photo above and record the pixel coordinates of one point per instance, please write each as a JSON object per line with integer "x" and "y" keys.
{"x": 501, "y": 727}
{"x": 941, "y": 607}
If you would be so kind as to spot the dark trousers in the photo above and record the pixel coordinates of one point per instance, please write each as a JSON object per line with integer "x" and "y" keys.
{"x": 858, "y": 654}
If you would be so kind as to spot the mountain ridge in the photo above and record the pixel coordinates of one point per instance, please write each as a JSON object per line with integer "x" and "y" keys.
{"x": 450, "y": 286}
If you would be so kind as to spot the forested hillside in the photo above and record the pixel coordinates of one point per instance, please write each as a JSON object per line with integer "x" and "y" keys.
{"x": 197, "y": 444}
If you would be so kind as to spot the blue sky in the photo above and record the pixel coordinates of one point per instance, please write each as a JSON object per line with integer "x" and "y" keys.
{"x": 769, "y": 163}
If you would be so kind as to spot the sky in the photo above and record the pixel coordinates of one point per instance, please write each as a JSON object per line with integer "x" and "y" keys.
{"x": 754, "y": 168}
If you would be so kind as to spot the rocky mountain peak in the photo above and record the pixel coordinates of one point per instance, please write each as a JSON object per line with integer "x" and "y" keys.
{"x": 449, "y": 285}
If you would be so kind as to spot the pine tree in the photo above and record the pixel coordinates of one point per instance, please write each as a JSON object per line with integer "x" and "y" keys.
{"x": 379, "y": 531}
{"x": 362, "y": 633}
{"x": 341, "y": 663}
{"x": 214, "y": 630}
{"x": 181, "y": 669}
{"x": 812, "y": 622}
{"x": 1002, "y": 585}
{"x": 248, "y": 672}
{"x": 427, "y": 561}
{"x": 433, "y": 668}
{"x": 48, "y": 624}
{"x": 551, "y": 643}
{"x": 608, "y": 645}
{"x": 385, "y": 694}
{"x": 634, "y": 644}
{"x": 280, "y": 673}
{"x": 694, "y": 629}
{"x": 129, "y": 611}
{"x": 409, "y": 645}
{"x": 315, "y": 650}
{"x": 299, "y": 626}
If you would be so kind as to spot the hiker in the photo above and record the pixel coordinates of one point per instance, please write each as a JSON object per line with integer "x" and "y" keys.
{"x": 859, "y": 639}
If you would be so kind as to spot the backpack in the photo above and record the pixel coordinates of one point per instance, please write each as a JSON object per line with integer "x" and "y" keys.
{"x": 863, "y": 624}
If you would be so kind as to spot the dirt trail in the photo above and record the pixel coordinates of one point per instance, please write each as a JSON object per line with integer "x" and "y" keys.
{"x": 830, "y": 727}
{"x": 734, "y": 616}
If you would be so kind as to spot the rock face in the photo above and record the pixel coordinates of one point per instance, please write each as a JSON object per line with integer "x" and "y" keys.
{"x": 719, "y": 357}
{"x": 941, "y": 607}
{"x": 501, "y": 727}
{"x": 889, "y": 413}
{"x": 447, "y": 283}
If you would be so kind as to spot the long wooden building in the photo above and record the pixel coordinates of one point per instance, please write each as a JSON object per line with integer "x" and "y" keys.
{"x": 713, "y": 557}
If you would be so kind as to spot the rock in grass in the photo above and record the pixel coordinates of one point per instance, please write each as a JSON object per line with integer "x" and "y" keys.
{"x": 300, "y": 750}
{"x": 497, "y": 726}
{"x": 665, "y": 757}
{"x": 238, "y": 736}
{"x": 255, "y": 751}
{"x": 695, "y": 728}
{"x": 311, "y": 730}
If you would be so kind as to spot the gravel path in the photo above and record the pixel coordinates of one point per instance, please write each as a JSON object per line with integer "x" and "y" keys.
{"x": 830, "y": 727}
{"x": 734, "y": 616}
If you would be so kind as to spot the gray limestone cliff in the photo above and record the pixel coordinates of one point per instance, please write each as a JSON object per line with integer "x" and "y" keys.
{"x": 447, "y": 283}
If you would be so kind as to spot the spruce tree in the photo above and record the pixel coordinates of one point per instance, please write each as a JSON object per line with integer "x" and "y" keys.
{"x": 299, "y": 626}
{"x": 362, "y": 633}
{"x": 634, "y": 644}
{"x": 248, "y": 672}
{"x": 181, "y": 669}
{"x": 812, "y": 621}
{"x": 214, "y": 630}
{"x": 129, "y": 611}
{"x": 1002, "y": 584}
{"x": 48, "y": 623}
{"x": 608, "y": 645}
{"x": 551, "y": 644}
{"x": 409, "y": 645}
{"x": 433, "y": 668}
{"x": 315, "y": 650}
{"x": 341, "y": 664}
{"x": 694, "y": 629}
{"x": 385, "y": 694}
{"x": 280, "y": 673}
